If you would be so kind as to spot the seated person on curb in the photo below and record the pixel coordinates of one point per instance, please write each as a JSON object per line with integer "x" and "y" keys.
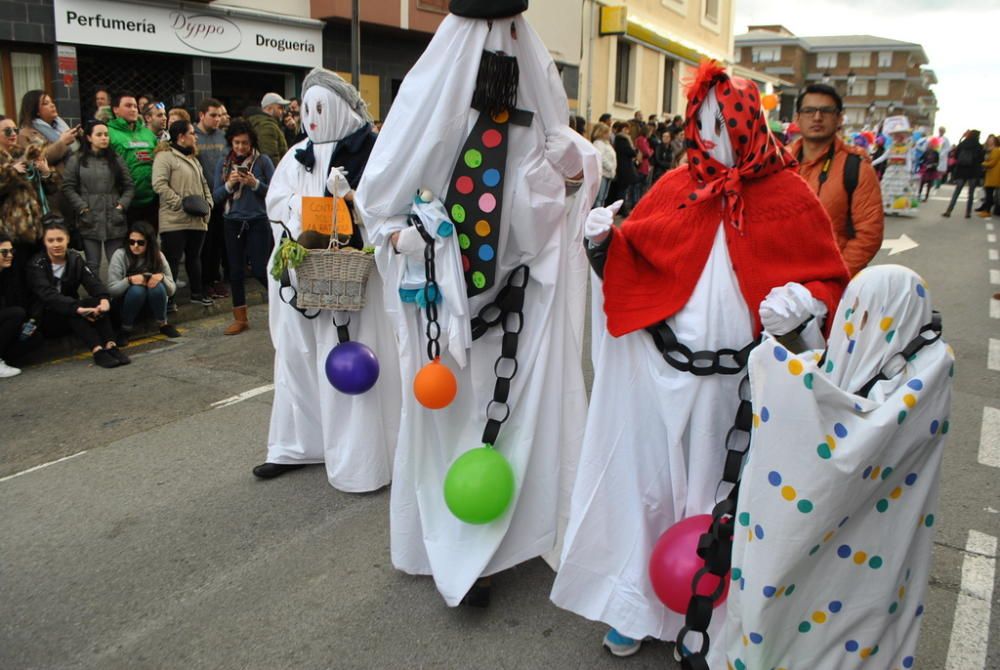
{"x": 55, "y": 276}
{"x": 140, "y": 275}
{"x": 12, "y": 313}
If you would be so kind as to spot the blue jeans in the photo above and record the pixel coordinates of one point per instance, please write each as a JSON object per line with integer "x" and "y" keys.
{"x": 136, "y": 297}
{"x": 602, "y": 195}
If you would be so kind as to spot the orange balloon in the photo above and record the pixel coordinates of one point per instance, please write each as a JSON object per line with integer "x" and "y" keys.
{"x": 435, "y": 386}
{"x": 769, "y": 101}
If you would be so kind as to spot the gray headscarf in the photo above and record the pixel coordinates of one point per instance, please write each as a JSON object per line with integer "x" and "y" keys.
{"x": 319, "y": 76}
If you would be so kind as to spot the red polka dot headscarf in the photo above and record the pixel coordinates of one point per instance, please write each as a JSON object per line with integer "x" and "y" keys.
{"x": 756, "y": 152}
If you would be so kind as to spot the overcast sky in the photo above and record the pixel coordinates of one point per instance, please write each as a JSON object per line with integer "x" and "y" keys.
{"x": 962, "y": 41}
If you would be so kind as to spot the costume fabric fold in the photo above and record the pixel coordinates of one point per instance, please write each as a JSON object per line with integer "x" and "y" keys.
{"x": 311, "y": 422}
{"x": 837, "y": 502}
{"x": 541, "y": 228}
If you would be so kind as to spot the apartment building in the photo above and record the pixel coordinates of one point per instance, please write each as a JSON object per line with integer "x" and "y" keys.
{"x": 877, "y": 77}
{"x": 637, "y": 53}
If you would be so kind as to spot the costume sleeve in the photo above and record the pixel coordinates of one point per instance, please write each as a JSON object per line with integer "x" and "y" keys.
{"x": 868, "y": 218}
{"x": 881, "y": 159}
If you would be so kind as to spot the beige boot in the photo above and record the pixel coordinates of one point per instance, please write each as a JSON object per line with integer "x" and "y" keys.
{"x": 240, "y": 322}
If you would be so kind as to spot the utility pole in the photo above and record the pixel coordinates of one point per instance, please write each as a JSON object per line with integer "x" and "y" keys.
{"x": 356, "y": 44}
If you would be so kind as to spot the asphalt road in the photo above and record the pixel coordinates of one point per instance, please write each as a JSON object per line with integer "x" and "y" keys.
{"x": 152, "y": 546}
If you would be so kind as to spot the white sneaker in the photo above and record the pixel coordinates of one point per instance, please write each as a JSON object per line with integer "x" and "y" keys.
{"x": 8, "y": 370}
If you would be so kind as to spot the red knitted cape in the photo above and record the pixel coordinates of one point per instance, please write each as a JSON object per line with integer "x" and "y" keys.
{"x": 657, "y": 256}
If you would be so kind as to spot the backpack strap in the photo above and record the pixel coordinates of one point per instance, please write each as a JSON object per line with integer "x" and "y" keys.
{"x": 852, "y": 168}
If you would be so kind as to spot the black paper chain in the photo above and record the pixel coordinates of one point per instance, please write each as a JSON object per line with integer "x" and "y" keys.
{"x": 431, "y": 291}
{"x": 506, "y": 310}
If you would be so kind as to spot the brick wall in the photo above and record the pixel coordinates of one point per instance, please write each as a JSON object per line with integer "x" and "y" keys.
{"x": 27, "y": 21}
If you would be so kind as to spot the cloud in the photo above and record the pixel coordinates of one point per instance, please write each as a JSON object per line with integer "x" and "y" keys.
{"x": 960, "y": 42}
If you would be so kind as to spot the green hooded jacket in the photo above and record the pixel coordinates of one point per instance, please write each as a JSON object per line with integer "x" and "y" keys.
{"x": 135, "y": 146}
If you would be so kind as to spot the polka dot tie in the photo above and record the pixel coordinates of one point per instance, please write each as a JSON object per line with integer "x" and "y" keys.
{"x": 475, "y": 199}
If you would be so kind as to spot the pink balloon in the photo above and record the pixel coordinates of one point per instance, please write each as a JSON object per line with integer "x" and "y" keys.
{"x": 675, "y": 561}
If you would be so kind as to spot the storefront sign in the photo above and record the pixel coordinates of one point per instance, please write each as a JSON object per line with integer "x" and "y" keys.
{"x": 183, "y": 31}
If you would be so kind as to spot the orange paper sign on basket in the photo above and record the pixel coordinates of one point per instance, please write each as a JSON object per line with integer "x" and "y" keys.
{"x": 317, "y": 214}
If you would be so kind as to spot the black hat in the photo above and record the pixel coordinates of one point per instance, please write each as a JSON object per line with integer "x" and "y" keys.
{"x": 487, "y": 9}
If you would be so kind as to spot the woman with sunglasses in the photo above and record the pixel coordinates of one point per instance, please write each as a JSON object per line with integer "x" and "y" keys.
{"x": 139, "y": 275}
{"x": 98, "y": 187}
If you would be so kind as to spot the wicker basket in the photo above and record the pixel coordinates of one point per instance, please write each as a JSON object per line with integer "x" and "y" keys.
{"x": 334, "y": 278}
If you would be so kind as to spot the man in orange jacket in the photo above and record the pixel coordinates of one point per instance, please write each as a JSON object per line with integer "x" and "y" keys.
{"x": 823, "y": 162}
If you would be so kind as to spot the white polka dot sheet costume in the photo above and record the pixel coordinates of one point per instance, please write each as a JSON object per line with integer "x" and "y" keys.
{"x": 423, "y": 138}
{"x": 838, "y": 497}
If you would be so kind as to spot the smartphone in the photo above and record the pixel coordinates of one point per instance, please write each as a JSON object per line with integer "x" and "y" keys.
{"x": 147, "y": 275}
{"x": 242, "y": 169}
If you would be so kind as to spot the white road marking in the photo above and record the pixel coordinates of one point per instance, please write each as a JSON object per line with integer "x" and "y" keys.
{"x": 991, "y": 237}
{"x": 995, "y": 276}
{"x": 899, "y": 245}
{"x": 989, "y": 226}
{"x": 993, "y": 357}
{"x": 971, "y": 627}
{"x": 994, "y": 308}
{"x": 246, "y": 395}
{"x": 989, "y": 438}
{"x": 43, "y": 465}
{"x": 994, "y": 255}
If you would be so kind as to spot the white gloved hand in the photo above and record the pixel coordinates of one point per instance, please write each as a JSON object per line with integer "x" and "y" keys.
{"x": 786, "y": 307}
{"x": 409, "y": 242}
{"x": 598, "y": 224}
{"x": 561, "y": 151}
{"x": 337, "y": 183}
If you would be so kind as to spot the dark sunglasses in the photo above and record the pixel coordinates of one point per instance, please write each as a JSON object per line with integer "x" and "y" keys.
{"x": 10, "y": 132}
{"x": 137, "y": 243}
{"x": 6, "y": 252}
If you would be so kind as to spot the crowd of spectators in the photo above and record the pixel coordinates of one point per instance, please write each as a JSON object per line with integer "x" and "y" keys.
{"x": 97, "y": 218}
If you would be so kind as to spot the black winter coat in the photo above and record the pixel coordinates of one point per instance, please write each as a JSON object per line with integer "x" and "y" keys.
{"x": 969, "y": 156}
{"x": 62, "y": 298}
{"x": 628, "y": 172}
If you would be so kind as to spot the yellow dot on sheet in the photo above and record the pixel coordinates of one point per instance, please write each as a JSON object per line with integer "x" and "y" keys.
{"x": 909, "y": 400}
{"x": 860, "y": 557}
{"x": 788, "y": 493}
{"x": 795, "y": 366}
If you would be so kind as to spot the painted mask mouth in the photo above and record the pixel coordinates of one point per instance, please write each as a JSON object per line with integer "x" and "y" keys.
{"x": 709, "y": 144}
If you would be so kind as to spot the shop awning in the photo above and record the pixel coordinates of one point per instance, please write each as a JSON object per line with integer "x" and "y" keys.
{"x": 669, "y": 44}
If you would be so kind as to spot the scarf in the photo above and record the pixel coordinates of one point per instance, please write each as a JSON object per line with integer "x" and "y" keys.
{"x": 757, "y": 152}
{"x": 230, "y": 163}
{"x": 51, "y": 131}
{"x": 187, "y": 151}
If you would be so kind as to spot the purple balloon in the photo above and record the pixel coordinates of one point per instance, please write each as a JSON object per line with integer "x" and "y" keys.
{"x": 352, "y": 368}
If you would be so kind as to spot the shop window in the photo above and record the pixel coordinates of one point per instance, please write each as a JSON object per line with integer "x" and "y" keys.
{"x": 861, "y": 58}
{"x": 159, "y": 74}
{"x": 669, "y": 71}
{"x": 885, "y": 59}
{"x": 765, "y": 54}
{"x": 712, "y": 11}
{"x": 826, "y": 61}
{"x": 882, "y": 87}
{"x": 623, "y": 72}
{"x": 21, "y": 71}
{"x": 858, "y": 88}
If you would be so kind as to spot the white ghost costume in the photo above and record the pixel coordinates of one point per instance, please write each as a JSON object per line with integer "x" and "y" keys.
{"x": 835, "y": 518}
{"x": 311, "y": 422}
{"x": 654, "y": 447}
{"x": 418, "y": 147}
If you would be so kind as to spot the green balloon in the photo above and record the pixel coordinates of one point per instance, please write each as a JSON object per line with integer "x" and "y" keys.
{"x": 479, "y": 486}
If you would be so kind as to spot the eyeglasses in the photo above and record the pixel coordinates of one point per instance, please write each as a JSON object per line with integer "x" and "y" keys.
{"x": 137, "y": 243}
{"x": 10, "y": 132}
{"x": 6, "y": 252}
{"x": 153, "y": 105}
{"x": 825, "y": 111}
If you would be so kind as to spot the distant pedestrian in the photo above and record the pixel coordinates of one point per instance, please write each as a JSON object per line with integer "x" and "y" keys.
{"x": 266, "y": 122}
{"x": 991, "y": 178}
{"x": 627, "y": 174}
{"x": 969, "y": 157}
{"x": 212, "y": 147}
{"x": 601, "y": 137}
{"x": 944, "y": 151}
{"x": 663, "y": 157}
{"x": 135, "y": 143}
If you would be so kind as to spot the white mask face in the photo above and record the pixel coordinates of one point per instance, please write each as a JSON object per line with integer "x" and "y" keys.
{"x": 713, "y": 131}
{"x": 326, "y": 117}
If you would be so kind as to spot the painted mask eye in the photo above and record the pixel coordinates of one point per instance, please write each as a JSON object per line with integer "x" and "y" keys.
{"x": 719, "y": 123}
{"x": 319, "y": 107}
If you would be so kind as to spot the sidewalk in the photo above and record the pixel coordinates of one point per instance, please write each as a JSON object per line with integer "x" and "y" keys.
{"x": 53, "y": 348}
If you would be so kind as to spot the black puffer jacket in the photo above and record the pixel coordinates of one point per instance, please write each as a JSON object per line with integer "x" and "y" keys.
{"x": 62, "y": 297}
{"x": 969, "y": 156}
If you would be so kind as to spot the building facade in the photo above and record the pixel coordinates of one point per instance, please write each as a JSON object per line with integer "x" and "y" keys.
{"x": 877, "y": 77}
{"x": 636, "y": 53}
{"x": 394, "y": 33}
{"x": 177, "y": 52}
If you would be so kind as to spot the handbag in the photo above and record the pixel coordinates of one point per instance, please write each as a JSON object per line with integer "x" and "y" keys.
{"x": 195, "y": 205}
